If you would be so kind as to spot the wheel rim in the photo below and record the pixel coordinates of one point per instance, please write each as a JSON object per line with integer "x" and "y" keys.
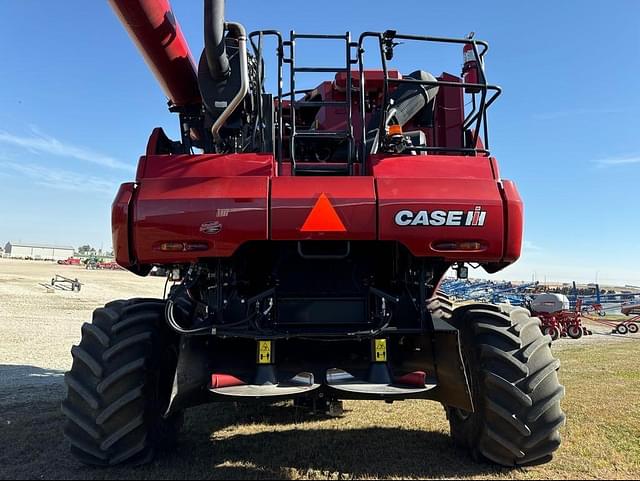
{"x": 553, "y": 332}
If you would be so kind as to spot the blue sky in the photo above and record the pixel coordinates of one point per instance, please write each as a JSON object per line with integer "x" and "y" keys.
{"x": 78, "y": 104}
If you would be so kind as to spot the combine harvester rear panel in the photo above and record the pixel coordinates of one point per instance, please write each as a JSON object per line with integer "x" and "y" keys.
{"x": 306, "y": 243}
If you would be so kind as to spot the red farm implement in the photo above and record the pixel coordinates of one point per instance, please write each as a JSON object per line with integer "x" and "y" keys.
{"x": 618, "y": 326}
{"x": 71, "y": 261}
{"x": 562, "y": 322}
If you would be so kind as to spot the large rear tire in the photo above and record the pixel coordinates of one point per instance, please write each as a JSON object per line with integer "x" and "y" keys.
{"x": 120, "y": 384}
{"x": 515, "y": 388}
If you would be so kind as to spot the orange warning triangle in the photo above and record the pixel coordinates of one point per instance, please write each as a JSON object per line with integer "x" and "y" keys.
{"x": 323, "y": 218}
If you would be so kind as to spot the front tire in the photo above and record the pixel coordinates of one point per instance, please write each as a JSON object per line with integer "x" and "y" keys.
{"x": 515, "y": 388}
{"x": 120, "y": 384}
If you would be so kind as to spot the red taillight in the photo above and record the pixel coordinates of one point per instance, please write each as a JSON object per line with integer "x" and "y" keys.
{"x": 181, "y": 246}
{"x": 458, "y": 246}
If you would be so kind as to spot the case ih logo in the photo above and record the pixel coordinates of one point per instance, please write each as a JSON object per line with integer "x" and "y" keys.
{"x": 457, "y": 218}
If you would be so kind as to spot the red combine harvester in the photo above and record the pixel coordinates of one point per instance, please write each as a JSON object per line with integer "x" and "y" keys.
{"x": 306, "y": 244}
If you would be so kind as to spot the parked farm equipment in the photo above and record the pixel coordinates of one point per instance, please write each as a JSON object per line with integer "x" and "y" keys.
{"x": 65, "y": 283}
{"x": 307, "y": 242}
{"x": 618, "y": 326}
{"x": 558, "y": 320}
{"x": 631, "y": 308}
{"x": 71, "y": 261}
{"x": 108, "y": 265}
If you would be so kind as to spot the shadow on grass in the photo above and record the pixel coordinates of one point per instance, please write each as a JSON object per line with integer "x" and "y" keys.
{"x": 24, "y": 374}
{"x": 31, "y": 436}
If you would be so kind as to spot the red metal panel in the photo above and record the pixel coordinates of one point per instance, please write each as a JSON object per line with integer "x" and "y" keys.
{"x": 222, "y": 212}
{"x": 153, "y": 27}
{"x": 461, "y": 197}
{"x": 431, "y": 166}
{"x": 206, "y": 165}
{"x": 293, "y": 198}
{"x": 515, "y": 222}
{"x": 120, "y": 224}
{"x": 450, "y": 113}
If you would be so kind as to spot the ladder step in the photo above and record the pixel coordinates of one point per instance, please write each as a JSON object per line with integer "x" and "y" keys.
{"x": 321, "y": 134}
{"x": 320, "y": 103}
{"x": 312, "y": 167}
{"x": 344, "y": 382}
{"x": 319, "y": 69}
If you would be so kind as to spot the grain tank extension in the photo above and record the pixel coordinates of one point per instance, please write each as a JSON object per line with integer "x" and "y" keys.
{"x": 305, "y": 232}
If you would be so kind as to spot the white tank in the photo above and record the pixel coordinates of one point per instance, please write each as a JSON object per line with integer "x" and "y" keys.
{"x": 550, "y": 303}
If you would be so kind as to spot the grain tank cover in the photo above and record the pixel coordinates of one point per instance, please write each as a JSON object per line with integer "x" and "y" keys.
{"x": 550, "y": 303}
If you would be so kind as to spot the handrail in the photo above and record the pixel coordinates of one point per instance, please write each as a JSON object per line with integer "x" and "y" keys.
{"x": 258, "y": 52}
{"x": 481, "y": 101}
{"x": 479, "y": 112}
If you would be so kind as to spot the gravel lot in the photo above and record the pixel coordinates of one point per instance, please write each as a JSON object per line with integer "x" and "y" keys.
{"x": 38, "y": 327}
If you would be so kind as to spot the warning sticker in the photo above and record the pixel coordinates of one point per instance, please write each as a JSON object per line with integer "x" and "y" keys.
{"x": 264, "y": 352}
{"x": 323, "y": 217}
{"x": 381, "y": 350}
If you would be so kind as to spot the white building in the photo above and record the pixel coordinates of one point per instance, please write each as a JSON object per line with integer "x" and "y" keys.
{"x": 30, "y": 250}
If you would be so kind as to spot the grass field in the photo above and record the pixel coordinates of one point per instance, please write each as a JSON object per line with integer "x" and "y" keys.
{"x": 373, "y": 440}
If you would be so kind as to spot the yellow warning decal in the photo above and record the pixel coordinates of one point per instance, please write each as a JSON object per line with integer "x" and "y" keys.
{"x": 381, "y": 350}
{"x": 264, "y": 352}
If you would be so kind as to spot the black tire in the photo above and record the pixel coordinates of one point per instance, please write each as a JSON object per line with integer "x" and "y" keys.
{"x": 515, "y": 388}
{"x": 552, "y": 332}
{"x": 575, "y": 332}
{"x": 633, "y": 327}
{"x": 621, "y": 329}
{"x": 119, "y": 385}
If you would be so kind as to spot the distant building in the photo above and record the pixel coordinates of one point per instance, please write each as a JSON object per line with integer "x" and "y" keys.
{"x": 29, "y": 250}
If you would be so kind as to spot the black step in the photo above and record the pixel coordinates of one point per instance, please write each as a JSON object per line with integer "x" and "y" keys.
{"x": 322, "y": 134}
{"x": 344, "y": 382}
{"x": 318, "y": 167}
{"x": 320, "y": 103}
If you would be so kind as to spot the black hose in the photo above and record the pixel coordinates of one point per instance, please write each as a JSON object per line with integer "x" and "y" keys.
{"x": 215, "y": 49}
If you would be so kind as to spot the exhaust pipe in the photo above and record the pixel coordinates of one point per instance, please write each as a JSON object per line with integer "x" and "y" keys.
{"x": 237, "y": 31}
{"x": 223, "y": 89}
{"x": 214, "y": 46}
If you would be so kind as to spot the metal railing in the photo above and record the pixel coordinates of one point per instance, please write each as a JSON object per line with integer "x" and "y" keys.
{"x": 483, "y": 96}
{"x": 478, "y": 115}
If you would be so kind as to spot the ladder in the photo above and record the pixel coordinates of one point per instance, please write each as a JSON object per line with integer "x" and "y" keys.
{"x": 329, "y": 168}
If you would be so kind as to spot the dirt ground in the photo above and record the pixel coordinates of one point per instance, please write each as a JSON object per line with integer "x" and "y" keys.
{"x": 402, "y": 440}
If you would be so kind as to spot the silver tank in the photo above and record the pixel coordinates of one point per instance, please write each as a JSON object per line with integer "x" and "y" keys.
{"x": 550, "y": 303}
